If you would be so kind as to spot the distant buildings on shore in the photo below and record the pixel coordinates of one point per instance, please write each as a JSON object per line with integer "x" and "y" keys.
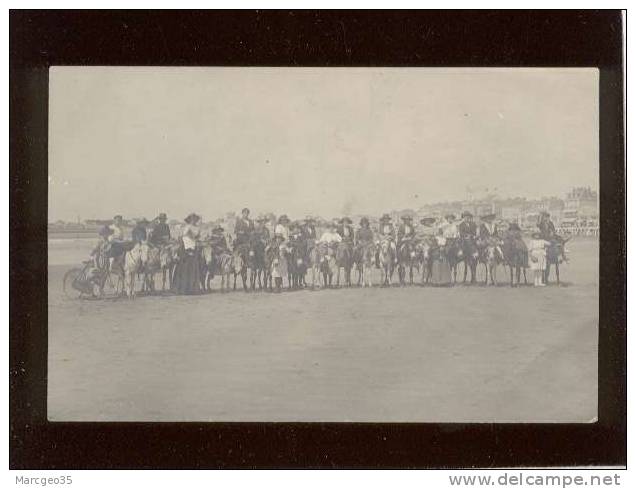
{"x": 576, "y": 213}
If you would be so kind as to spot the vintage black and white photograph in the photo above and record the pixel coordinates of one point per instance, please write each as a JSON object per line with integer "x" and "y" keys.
{"x": 323, "y": 244}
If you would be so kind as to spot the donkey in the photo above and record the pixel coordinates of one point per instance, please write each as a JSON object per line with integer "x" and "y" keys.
{"x": 256, "y": 262}
{"x": 489, "y": 256}
{"x": 133, "y": 262}
{"x": 364, "y": 258}
{"x": 407, "y": 258}
{"x": 344, "y": 259}
{"x": 359, "y": 260}
{"x": 555, "y": 255}
{"x": 225, "y": 263}
{"x": 425, "y": 258}
{"x": 386, "y": 257}
{"x": 515, "y": 254}
{"x": 208, "y": 266}
{"x": 455, "y": 255}
{"x": 297, "y": 264}
{"x": 239, "y": 260}
{"x": 327, "y": 264}
{"x": 470, "y": 253}
{"x": 316, "y": 257}
{"x": 168, "y": 255}
{"x": 270, "y": 253}
{"x": 150, "y": 266}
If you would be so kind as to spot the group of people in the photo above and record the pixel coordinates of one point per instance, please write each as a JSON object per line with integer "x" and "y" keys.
{"x": 440, "y": 233}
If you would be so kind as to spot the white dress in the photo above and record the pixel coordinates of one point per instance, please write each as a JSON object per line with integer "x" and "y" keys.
{"x": 329, "y": 238}
{"x": 282, "y": 230}
{"x": 537, "y": 252}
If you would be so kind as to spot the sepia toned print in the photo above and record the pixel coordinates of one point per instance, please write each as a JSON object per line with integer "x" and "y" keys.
{"x": 317, "y": 244}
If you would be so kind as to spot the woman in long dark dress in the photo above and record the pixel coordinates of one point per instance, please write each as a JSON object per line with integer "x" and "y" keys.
{"x": 440, "y": 268}
{"x": 187, "y": 272}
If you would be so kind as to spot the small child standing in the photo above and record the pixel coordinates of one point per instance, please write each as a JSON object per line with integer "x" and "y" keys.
{"x": 537, "y": 252}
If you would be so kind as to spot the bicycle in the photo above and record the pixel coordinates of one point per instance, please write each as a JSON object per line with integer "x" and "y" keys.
{"x": 90, "y": 282}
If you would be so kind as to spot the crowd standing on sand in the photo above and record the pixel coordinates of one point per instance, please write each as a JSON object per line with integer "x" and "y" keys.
{"x": 295, "y": 255}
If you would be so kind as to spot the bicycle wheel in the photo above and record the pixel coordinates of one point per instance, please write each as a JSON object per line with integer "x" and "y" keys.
{"x": 108, "y": 285}
{"x": 71, "y": 278}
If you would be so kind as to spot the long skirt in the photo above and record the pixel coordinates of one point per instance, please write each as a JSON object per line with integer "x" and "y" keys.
{"x": 187, "y": 274}
{"x": 440, "y": 272}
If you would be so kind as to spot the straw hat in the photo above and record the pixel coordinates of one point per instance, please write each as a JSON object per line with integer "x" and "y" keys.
{"x": 192, "y": 217}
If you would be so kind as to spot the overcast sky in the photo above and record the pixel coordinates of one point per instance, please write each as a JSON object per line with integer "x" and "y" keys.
{"x": 138, "y": 141}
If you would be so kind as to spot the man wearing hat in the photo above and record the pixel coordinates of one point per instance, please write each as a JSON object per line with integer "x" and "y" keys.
{"x": 364, "y": 236}
{"x": 218, "y": 241}
{"x": 160, "y": 234}
{"x": 260, "y": 229}
{"x": 489, "y": 233}
{"x": 295, "y": 231}
{"x": 546, "y": 226}
{"x": 116, "y": 239}
{"x": 406, "y": 230}
{"x": 243, "y": 227}
{"x": 139, "y": 234}
{"x": 281, "y": 228}
{"x": 487, "y": 228}
{"x": 513, "y": 227}
{"x": 309, "y": 230}
{"x": 345, "y": 230}
{"x": 386, "y": 232}
{"x": 117, "y": 228}
{"x": 467, "y": 228}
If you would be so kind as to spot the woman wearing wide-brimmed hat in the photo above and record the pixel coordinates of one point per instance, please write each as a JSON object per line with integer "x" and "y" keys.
{"x": 489, "y": 233}
{"x": 187, "y": 271}
{"x": 449, "y": 228}
{"x": 487, "y": 228}
{"x": 331, "y": 235}
{"x": 345, "y": 229}
{"x": 440, "y": 271}
{"x": 406, "y": 230}
{"x": 427, "y": 227}
{"x": 282, "y": 227}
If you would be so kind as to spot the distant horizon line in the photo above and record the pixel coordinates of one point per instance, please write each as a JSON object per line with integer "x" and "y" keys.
{"x": 488, "y": 198}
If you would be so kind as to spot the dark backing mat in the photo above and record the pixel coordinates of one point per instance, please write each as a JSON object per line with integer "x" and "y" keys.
{"x": 39, "y": 39}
